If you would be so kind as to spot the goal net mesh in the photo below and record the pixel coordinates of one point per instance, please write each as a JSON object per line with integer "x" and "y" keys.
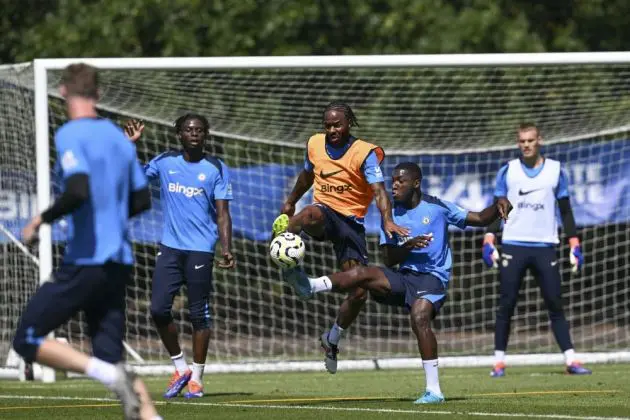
{"x": 459, "y": 124}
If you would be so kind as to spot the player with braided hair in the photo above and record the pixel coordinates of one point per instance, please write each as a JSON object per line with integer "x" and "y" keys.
{"x": 346, "y": 175}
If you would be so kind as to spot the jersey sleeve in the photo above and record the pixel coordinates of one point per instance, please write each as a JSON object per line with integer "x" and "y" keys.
{"x": 151, "y": 169}
{"x": 372, "y": 169}
{"x": 138, "y": 179}
{"x": 500, "y": 189}
{"x": 562, "y": 190}
{"x": 70, "y": 153}
{"x": 223, "y": 184}
{"x": 454, "y": 214}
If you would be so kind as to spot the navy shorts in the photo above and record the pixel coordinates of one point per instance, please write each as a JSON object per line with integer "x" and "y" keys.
{"x": 347, "y": 236}
{"x": 173, "y": 269}
{"x": 97, "y": 290}
{"x": 409, "y": 286}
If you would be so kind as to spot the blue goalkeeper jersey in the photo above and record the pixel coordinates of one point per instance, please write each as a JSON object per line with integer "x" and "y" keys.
{"x": 97, "y": 231}
{"x": 188, "y": 191}
{"x": 431, "y": 215}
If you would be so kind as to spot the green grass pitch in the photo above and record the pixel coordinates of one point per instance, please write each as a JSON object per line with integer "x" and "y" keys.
{"x": 525, "y": 393}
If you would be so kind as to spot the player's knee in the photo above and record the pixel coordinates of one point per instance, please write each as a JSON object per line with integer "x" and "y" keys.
{"x": 311, "y": 216}
{"x": 506, "y": 308}
{"x": 358, "y": 296}
{"x": 357, "y": 275}
{"x": 110, "y": 353}
{"x": 26, "y": 344}
{"x": 422, "y": 317}
{"x": 200, "y": 315}
{"x": 349, "y": 265}
{"x": 161, "y": 315}
{"x": 554, "y": 306}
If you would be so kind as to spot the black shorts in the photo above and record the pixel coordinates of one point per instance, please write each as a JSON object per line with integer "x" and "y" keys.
{"x": 97, "y": 290}
{"x": 409, "y": 286}
{"x": 173, "y": 268}
{"x": 347, "y": 236}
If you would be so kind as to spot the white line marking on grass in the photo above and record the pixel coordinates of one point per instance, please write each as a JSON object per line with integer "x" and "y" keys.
{"x": 418, "y": 411}
{"x": 51, "y": 398}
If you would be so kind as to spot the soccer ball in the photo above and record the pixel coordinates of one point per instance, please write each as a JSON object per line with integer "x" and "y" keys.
{"x": 287, "y": 250}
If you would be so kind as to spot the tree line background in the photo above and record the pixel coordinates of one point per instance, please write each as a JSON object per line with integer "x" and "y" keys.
{"x": 152, "y": 28}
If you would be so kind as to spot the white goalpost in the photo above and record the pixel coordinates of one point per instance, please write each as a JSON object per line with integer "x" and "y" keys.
{"x": 455, "y": 115}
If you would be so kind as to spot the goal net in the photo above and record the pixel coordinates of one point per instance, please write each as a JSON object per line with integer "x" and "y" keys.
{"x": 458, "y": 123}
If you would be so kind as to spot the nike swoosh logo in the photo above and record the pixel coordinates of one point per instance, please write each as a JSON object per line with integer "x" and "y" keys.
{"x": 197, "y": 267}
{"x": 329, "y": 174}
{"x": 172, "y": 172}
{"x": 521, "y": 192}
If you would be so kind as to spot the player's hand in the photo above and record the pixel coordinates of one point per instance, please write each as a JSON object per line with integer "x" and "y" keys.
{"x": 288, "y": 209}
{"x": 420, "y": 241}
{"x": 504, "y": 207}
{"x": 575, "y": 256}
{"x": 489, "y": 252}
{"x": 29, "y": 233}
{"x": 389, "y": 227}
{"x": 227, "y": 262}
{"x": 133, "y": 129}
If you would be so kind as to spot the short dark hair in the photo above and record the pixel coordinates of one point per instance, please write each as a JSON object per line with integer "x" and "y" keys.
{"x": 345, "y": 109}
{"x": 524, "y": 126}
{"x": 179, "y": 123}
{"x": 411, "y": 167}
{"x": 80, "y": 80}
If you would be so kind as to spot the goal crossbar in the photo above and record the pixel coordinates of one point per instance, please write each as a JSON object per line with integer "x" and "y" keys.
{"x": 344, "y": 61}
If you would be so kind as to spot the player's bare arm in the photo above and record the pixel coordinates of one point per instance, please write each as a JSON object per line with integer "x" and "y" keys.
{"x": 394, "y": 254}
{"x": 499, "y": 209}
{"x": 133, "y": 129}
{"x": 224, "y": 222}
{"x": 302, "y": 184}
{"x": 385, "y": 207}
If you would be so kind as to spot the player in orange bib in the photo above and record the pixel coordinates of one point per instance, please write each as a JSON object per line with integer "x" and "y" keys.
{"x": 346, "y": 176}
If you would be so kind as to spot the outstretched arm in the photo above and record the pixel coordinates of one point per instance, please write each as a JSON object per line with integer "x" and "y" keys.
{"x": 499, "y": 209}
{"x": 385, "y": 207}
{"x": 489, "y": 252}
{"x": 396, "y": 254}
{"x": 133, "y": 129}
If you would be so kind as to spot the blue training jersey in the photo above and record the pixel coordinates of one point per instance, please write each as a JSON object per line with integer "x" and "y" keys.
{"x": 188, "y": 191}
{"x": 97, "y": 231}
{"x": 431, "y": 215}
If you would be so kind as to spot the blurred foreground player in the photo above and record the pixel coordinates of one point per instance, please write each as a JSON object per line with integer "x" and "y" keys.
{"x": 104, "y": 187}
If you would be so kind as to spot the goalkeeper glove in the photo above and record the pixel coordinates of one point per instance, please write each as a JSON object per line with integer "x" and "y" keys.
{"x": 575, "y": 256}
{"x": 489, "y": 252}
